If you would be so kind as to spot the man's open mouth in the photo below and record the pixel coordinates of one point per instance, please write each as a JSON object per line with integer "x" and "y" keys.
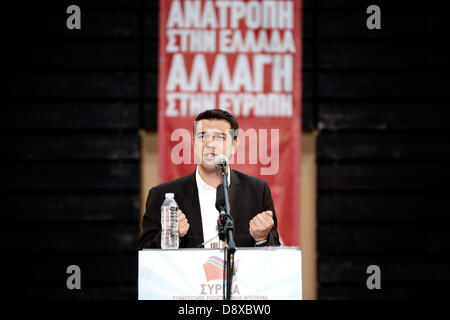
{"x": 209, "y": 156}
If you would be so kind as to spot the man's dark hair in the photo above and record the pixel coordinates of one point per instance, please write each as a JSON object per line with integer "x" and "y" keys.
{"x": 219, "y": 114}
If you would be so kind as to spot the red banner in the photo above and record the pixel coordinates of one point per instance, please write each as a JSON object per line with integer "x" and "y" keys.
{"x": 244, "y": 57}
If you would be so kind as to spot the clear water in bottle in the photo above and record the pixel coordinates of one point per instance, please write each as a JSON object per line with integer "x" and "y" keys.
{"x": 169, "y": 223}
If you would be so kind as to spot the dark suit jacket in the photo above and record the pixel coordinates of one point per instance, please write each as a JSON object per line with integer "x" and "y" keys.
{"x": 248, "y": 197}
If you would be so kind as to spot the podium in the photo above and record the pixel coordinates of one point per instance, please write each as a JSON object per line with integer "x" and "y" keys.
{"x": 269, "y": 273}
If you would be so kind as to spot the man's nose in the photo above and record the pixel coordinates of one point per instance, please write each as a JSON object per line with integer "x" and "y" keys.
{"x": 211, "y": 143}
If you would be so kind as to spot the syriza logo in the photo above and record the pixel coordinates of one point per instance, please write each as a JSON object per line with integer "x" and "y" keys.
{"x": 214, "y": 269}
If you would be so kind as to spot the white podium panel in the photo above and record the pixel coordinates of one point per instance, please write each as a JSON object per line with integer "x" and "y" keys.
{"x": 197, "y": 274}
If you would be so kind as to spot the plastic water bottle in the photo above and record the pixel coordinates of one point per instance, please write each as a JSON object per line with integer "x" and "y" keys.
{"x": 169, "y": 223}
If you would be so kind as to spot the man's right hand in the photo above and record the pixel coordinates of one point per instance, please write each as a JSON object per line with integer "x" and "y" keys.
{"x": 183, "y": 225}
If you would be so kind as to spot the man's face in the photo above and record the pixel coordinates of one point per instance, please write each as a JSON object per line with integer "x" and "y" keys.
{"x": 213, "y": 138}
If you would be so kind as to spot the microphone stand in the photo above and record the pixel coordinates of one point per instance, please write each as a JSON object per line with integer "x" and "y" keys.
{"x": 227, "y": 232}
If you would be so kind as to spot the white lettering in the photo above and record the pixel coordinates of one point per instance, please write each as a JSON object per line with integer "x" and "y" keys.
{"x": 175, "y": 15}
{"x": 267, "y": 14}
{"x": 258, "y": 105}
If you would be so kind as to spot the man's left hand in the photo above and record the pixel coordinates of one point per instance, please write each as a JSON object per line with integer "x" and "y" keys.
{"x": 260, "y": 225}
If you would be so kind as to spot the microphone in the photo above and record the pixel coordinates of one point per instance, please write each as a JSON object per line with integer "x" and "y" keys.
{"x": 221, "y": 161}
{"x": 220, "y": 198}
{"x": 220, "y": 206}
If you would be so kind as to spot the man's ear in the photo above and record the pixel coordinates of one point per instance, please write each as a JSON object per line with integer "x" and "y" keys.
{"x": 235, "y": 145}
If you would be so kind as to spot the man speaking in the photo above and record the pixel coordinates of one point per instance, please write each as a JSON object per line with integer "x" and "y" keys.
{"x": 251, "y": 205}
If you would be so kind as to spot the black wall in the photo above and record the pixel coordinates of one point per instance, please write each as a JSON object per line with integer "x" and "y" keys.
{"x": 382, "y": 102}
{"x": 73, "y": 102}
{"x": 70, "y": 149}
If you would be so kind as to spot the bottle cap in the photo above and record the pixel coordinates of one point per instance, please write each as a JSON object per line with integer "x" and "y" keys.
{"x": 170, "y": 195}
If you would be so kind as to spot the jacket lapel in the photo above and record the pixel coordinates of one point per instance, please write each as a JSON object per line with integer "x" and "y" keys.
{"x": 234, "y": 198}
